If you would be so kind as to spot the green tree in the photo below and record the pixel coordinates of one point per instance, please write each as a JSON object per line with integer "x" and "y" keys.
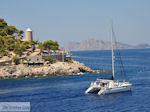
{"x": 19, "y": 48}
{"x": 33, "y": 43}
{"x": 1, "y": 42}
{"x": 10, "y": 30}
{"x": 20, "y": 33}
{"x": 10, "y": 43}
{"x": 5, "y": 29}
{"x": 18, "y": 51}
{"x": 50, "y": 45}
{"x": 3, "y": 52}
{"x": 40, "y": 45}
{"x": 26, "y": 44}
{"x": 3, "y": 23}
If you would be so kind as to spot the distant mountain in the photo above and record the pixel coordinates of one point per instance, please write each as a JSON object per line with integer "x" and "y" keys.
{"x": 94, "y": 44}
{"x": 142, "y": 45}
{"x": 72, "y": 45}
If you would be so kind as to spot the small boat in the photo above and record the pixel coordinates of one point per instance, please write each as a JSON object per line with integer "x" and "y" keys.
{"x": 105, "y": 86}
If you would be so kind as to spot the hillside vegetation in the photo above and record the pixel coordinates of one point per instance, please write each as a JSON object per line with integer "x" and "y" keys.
{"x": 11, "y": 42}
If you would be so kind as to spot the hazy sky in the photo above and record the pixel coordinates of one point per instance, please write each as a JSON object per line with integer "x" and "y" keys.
{"x": 75, "y": 20}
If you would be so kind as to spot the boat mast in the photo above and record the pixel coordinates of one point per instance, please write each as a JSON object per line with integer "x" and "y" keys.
{"x": 112, "y": 50}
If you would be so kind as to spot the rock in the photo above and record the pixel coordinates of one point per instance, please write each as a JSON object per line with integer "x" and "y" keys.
{"x": 59, "y": 68}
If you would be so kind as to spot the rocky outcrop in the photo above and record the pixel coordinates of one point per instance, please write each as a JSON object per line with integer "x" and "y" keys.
{"x": 59, "y": 68}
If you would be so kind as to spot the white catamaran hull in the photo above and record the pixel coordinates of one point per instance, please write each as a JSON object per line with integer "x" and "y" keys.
{"x": 107, "y": 90}
{"x": 103, "y": 86}
{"x": 92, "y": 90}
{"x": 115, "y": 90}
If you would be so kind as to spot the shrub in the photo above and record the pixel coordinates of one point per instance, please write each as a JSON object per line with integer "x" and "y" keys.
{"x": 18, "y": 51}
{"x": 28, "y": 53}
{"x": 24, "y": 59}
{"x": 3, "y": 52}
{"x": 26, "y": 44}
{"x": 50, "y": 60}
{"x": 70, "y": 61}
{"x": 16, "y": 60}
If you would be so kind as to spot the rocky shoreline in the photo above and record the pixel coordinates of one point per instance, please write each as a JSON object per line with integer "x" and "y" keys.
{"x": 58, "y": 68}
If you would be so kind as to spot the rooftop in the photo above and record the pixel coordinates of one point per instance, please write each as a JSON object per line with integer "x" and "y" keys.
{"x": 28, "y": 29}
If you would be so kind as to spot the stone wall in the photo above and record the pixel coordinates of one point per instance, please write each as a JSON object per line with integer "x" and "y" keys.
{"x": 5, "y": 63}
{"x": 35, "y": 59}
{"x": 59, "y": 57}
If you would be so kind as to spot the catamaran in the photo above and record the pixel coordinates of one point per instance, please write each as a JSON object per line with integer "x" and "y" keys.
{"x": 107, "y": 86}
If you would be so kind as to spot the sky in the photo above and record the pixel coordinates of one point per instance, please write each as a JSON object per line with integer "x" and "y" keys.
{"x": 76, "y": 20}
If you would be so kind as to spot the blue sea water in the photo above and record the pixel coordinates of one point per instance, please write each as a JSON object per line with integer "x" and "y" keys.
{"x": 66, "y": 93}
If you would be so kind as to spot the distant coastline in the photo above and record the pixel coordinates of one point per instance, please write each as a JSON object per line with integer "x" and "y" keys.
{"x": 98, "y": 44}
{"x": 107, "y": 49}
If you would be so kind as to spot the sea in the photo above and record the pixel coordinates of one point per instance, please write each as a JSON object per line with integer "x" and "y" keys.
{"x": 67, "y": 93}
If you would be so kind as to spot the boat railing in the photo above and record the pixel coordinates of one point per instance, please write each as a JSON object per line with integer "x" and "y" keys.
{"x": 95, "y": 83}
